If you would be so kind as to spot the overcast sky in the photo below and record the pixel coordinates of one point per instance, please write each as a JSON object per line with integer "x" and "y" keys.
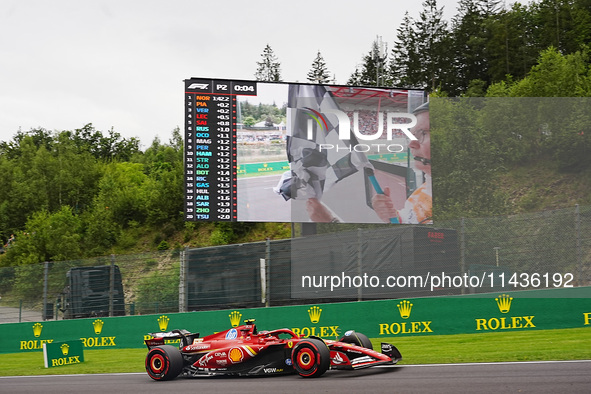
{"x": 121, "y": 63}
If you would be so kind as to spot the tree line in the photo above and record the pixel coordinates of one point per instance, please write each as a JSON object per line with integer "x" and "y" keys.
{"x": 80, "y": 193}
{"x": 484, "y": 43}
{"x": 268, "y": 113}
{"x": 70, "y": 194}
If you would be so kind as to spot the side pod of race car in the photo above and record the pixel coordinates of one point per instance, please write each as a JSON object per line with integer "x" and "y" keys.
{"x": 245, "y": 351}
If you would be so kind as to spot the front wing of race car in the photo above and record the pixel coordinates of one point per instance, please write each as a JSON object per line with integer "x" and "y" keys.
{"x": 347, "y": 356}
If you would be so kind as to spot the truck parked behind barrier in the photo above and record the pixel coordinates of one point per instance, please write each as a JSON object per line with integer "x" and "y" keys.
{"x": 93, "y": 292}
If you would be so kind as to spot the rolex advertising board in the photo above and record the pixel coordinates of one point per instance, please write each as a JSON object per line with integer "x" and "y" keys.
{"x": 57, "y": 354}
{"x": 482, "y": 313}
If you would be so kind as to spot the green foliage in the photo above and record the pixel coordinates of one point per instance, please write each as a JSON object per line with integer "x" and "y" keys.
{"x": 567, "y": 139}
{"x": 157, "y": 293}
{"x": 121, "y": 192}
{"x": 163, "y": 245}
{"x": 45, "y": 171}
{"x": 189, "y": 229}
{"x": 485, "y": 42}
{"x": 552, "y": 129}
{"x": 28, "y": 279}
{"x": 465, "y": 160}
{"x": 319, "y": 73}
{"x": 47, "y": 237}
{"x": 79, "y": 193}
{"x": 222, "y": 234}
{"x": 269, "y": 68}
{"x": 249, "y": 121}
{"x": 405, "y": 62}
{"x": 260, "y": 112}
{"x": 163, "y": 186}
{"x": 102, "y": 231}
{"x": 373, "y": 69}
{"x": 432, "y": 40}
{"x": 476, "y": 88}
{"x": 421, "y": 57}
{"x": 69, "y": 195}
{"x": 556, "y": 75}
{"x": 476, "y": 140}
{"x": 225, "y": 233}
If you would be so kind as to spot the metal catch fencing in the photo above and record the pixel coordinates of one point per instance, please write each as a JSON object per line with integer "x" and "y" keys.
{"x": 545, "y": 250}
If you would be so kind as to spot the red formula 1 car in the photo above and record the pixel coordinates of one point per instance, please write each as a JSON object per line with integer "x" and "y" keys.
{"x": 244, "y": 351}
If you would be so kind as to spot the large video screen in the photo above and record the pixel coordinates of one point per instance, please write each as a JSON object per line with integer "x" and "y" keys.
{"x": 290, "y": 152}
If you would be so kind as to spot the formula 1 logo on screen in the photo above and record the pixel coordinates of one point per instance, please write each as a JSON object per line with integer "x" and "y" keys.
{"x": 200, "y": 86}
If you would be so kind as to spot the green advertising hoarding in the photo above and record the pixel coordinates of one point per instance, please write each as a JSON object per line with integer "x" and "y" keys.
{"x": 262, "y": 168}
{"x": 511, "y": 311}
{"x": 58, "y": 354}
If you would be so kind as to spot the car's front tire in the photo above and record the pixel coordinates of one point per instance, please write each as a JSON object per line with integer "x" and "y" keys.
{"x": 310, "y": 358}
{"x": 164, "y": 362}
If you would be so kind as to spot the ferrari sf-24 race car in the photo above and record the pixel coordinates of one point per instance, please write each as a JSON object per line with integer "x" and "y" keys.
{"x": 245, "y": 351}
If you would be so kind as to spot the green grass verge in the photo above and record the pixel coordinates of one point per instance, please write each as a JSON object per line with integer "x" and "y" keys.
{"x": 564, "y": 344}
{"x": 539, "y": 345}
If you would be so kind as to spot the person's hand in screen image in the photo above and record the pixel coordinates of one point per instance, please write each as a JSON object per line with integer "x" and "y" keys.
{"x": 418, "y": 206}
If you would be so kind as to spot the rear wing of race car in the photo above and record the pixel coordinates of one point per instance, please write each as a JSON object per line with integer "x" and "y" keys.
{"x": 160, "y": 338}
{"x": 391, "y": 351}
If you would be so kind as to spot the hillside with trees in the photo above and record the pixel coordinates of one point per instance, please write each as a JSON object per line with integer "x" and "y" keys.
{"x": 80, "y": 193}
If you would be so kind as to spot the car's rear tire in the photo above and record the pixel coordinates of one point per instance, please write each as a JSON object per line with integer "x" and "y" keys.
{"x": 310, "y": 358}
{"x": 357, "y": 338}
{"x": 164, "y": 362}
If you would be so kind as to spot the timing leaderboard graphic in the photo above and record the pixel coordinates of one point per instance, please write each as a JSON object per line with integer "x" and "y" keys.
{"x": 210, "y": 148}
{"x": 287, "y": 152}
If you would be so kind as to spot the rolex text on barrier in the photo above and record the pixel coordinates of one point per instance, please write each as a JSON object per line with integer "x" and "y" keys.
{"x": 468, "y": 314}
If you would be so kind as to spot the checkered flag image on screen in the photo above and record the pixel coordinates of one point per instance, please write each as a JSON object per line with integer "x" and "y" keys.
{"x": 313, "y": 124}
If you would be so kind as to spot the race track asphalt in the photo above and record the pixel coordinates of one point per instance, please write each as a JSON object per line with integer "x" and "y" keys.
{"x": 520, "y": 377}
